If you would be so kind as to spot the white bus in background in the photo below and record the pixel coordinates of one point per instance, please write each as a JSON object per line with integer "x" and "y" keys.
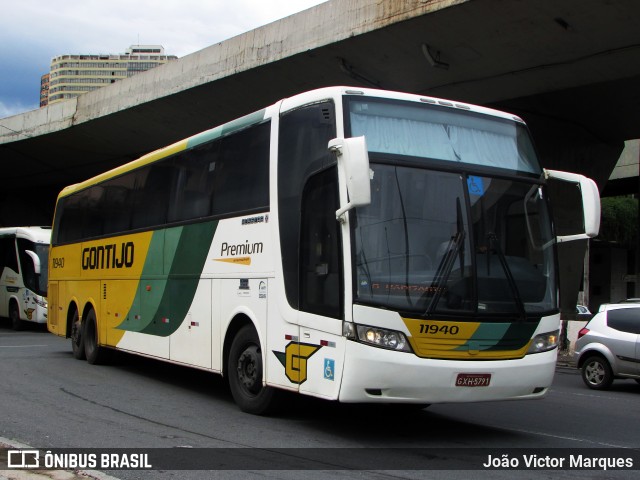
{"x": 24, "y": 255}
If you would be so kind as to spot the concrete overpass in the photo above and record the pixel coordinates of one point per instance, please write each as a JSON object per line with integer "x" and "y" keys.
{"x": 570, "y": 68}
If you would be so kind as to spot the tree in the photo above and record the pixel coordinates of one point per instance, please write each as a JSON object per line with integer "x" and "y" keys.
{"x": 620, "y": 220}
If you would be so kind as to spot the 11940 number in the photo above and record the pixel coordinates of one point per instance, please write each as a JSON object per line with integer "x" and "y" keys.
{"x": 433, "y": 329}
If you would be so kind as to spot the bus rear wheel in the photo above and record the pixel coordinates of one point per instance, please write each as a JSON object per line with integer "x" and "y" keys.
{"x": 94, "y": 352}
{"x": 245, "y": 371}
{"x": 77, "y": 341}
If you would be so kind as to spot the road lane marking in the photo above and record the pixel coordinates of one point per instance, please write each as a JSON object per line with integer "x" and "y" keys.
{"x": 565, "y": 437}
{"x": 22, "y": 346}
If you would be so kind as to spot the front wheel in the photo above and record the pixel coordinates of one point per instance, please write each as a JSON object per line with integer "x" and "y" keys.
{"x": 14, "y": 315}
{"x": 596, "y": 373}
{"x": 245, "y": 372}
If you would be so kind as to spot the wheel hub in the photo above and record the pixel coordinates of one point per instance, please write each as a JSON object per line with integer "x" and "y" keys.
{"x": 595, "y": 373}
{"x": 248, "y": 369}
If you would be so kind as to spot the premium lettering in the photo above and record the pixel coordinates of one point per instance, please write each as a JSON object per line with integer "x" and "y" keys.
{"x": 245, "y": 248}
{"x": 108, "y": 256}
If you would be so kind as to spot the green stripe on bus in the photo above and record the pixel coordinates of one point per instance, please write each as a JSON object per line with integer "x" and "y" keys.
{"x": 165, "y": 303}
{"x": 225, "y": 129}
{"x": 500, "y": 336}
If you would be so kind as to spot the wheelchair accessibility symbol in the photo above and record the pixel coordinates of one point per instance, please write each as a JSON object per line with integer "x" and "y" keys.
{"x": 329, "y": 368}
{"x": 475, "y": 185}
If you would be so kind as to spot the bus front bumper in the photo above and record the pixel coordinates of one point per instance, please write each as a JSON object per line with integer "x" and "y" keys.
{"x": 375, "y": 375}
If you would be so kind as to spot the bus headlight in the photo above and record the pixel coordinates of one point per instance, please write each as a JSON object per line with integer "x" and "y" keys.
{"x": 379, "y": 337}
{"x": 544, "y": 342}
{"x": 41, "y": 303}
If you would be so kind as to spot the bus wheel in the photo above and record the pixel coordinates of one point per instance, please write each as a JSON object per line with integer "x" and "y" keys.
{"x": 246, "y": 373}
{"x": 14, "y": 315}
{"x": 94, "y": 352}
{"x": 77, "y": 342}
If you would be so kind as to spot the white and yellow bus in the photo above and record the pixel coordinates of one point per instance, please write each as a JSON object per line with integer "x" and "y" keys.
{"x": 350, "y": 244}
{"x": 24, "y": 256}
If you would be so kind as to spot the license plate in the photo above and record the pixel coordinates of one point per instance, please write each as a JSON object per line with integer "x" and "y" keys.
{"x": 473, "y": 380}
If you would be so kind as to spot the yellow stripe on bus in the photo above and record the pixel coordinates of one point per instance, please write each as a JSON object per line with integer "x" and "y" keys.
{"x": 142, "y": 161}
{"x": 112, "y": 265}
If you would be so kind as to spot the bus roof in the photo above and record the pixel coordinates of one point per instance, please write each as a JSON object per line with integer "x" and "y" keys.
{"x": 334, "y": 92}
{"x": 35, "y": 234}
{"x": 284, "y": 105}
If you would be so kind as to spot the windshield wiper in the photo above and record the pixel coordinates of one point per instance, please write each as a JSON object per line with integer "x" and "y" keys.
{"x": 454, "y": 249}
{"x": 493, "y": 241}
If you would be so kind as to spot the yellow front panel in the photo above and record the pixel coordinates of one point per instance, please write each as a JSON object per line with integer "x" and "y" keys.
{"x": 470, "y": 340}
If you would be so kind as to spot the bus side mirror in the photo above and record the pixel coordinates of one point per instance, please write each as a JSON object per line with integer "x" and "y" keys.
{"x": 590, "y": 203}
{"x": 352, "y": 153}
{"x": 35, "y": 259}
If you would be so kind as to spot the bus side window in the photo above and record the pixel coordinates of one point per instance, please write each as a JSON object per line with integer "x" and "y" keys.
{"x": 26, "y": 264}
{"x": 69, "y": 219}
{"x": 154, "y": 184}
{"x": 320, "y": 259}
{"x": 302, "y": 151}
{"x": 8, "y": 257}
{"x": 115, "y": 207}
{"x": 243, "y": 173}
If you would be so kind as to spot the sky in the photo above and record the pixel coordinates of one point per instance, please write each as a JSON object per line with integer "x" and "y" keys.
{"x": 32, "y": 32}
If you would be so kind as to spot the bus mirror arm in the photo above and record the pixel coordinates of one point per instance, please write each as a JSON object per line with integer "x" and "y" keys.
{"x": 590, "y": 203}
{"x": 352, "y": 154}
{"x": 35, "y": 259}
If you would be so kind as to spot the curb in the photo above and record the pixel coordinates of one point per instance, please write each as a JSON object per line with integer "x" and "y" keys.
{"x": 566, "y": 360}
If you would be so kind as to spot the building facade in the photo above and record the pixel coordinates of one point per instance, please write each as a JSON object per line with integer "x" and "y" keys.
{"x": 44, "y": 90}
{"x": 73, "y": 75}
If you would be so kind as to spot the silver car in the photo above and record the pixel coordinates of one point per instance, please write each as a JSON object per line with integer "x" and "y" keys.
{"x": 608, "y": 346}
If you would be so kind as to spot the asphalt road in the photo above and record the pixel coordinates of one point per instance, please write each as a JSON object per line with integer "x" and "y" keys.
{"x": 50, "y": 400}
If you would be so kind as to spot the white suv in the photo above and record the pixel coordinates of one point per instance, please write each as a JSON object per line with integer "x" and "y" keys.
{"x": 608, "y": 346}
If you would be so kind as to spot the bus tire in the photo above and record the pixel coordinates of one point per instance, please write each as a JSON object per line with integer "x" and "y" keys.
{"x": 77, "y": 340}
{"x": 245, "y": 372}
{"x": 14, "y": 315}
{"x": 94, "y": 352}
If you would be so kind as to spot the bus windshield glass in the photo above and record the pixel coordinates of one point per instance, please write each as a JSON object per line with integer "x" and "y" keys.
{"x": 42, "y": 251}
{"x": 36, "y": 282}
{"x": 442, "y": 133}
{"x": 439, "y": 241}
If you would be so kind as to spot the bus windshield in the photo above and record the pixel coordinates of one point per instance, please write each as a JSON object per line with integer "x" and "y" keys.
{"x": 441, "y": 242}
{"x": 36, "y": 282}
{"x": 42, "y": 250}
{"x": 442, "y": 133}
{"x": 440, "y": 239}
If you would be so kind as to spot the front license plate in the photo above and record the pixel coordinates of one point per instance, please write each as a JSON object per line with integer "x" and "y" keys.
{"x": 473, "y": 380}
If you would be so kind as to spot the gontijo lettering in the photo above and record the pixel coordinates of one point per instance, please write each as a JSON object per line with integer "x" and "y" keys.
{"x": 108, "y": 256}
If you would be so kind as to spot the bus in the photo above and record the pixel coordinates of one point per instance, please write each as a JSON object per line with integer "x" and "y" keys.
{"x": 24, "y": 257}
{"x": 350, "y": 244}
